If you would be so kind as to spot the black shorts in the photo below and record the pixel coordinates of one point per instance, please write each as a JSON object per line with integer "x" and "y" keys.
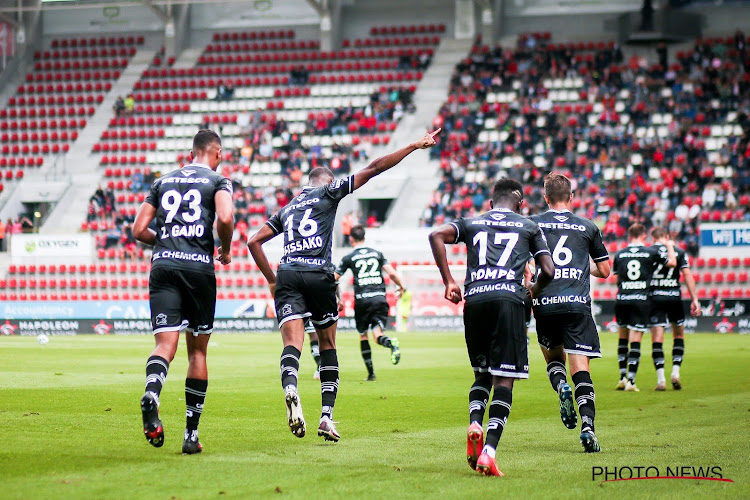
{"x": 182, "y": 300}
{"x": 306, "y": 294}
{"x": 664, "y": 312}
{"x": 370, "y": 314}
{"x": 633, "y": 314}
{"x": 576, "y": 332}
{"x": 495, "y": 332}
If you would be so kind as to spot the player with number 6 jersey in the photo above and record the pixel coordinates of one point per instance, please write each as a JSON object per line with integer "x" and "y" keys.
{"x": 564, "y": 325}
{"x": 182, "y": 284}
{"x": 634, "y": 266}
{"x": 304, "y": 285}
{"x": 499, "y": 243}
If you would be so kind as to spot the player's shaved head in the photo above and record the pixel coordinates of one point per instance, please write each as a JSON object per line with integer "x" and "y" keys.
{"x": 358, "y": 233}
{"x": 659, "y": 233}
{"x": 557, "y": 188}
{"x": 320, "y": 176}
{"x": 204, "y": 139}
{"x": 636, "y": 231}
{"x": 507, "y": 191}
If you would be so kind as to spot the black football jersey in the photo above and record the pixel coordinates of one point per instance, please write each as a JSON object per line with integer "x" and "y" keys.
{"x": 367, "y": 267}
{"x": 572, "y": 240}
{"x": 499, "y": 243}
{"x": 185, "y": 213}
{"x": 665, "y": 282}
{"x": 634, "y": 266}
{"x": 307, "y": 223}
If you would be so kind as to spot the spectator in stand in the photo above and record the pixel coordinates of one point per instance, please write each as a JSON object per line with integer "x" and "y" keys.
{"x": 2, "y": 236}
{"x": 372, "y": 220}
{"x": 129, "y": 104}
{"x": 347, "y": 222}
{"x": 119, "y": 106}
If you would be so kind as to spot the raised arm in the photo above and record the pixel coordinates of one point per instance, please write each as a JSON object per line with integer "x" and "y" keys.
{"x": 255, "y": 245}
{"x": 671, "y": 255}
{"x": 141, "y": 231}
{"x": 380, "y": 165}
{"x": 438, "y": 239}
{"x": 224, "y": 224}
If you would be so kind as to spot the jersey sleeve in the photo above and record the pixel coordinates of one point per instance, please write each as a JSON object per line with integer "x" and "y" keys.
{"x": 597, "y": 250}
{"x": 682, "y": 262}
{"x": 538, "y": 242}
{"x": 383, "y": 260}
{"x": 274, "y": 222}
{"x": 459, "y": 226}
{"x": 343, "y": 266}
{"x": 340, "y": 188}
{"x": 224, "y": 184}
{"x": 615, "y": 263}
{"x": 153, "y": 194}
{"x": 662, "y": 256}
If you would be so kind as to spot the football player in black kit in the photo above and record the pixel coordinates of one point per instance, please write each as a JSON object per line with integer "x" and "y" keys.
{"x": 498, "y": 244}
{"x": 182, "y": 284}
{"x": 634, "y": 266}
{"x": 304, "y": 285}
{"x": 564, "y": 324}
{"x": 370, "y": 307}
{"x": 666, "y": 308}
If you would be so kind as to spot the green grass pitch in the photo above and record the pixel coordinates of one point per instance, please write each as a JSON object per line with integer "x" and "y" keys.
{"x": 70, "y": 424}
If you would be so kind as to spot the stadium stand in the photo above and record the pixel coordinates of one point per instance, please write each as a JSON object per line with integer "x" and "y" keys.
{"x": 642, "y": 142}
{"x": 68, "y": 81}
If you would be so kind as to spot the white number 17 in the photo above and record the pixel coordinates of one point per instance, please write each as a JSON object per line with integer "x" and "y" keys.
{"x": 481, "y": 239}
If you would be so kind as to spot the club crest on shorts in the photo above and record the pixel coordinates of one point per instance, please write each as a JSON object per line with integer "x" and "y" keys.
{"x": 286, "y": 310}
{"x": 161, "y": 319}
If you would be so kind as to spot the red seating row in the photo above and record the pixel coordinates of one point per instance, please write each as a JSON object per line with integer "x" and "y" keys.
{"x": 33, "y": 149}
{"x": 411, "y": 29}
{"x": 44, "y": 283}
{"x": 131, "y": 134}
{"x": 68, "y": 76}
{"x": 125, "y": 146}
{"x": 59, "y": 88}
{"x": 703, "y": 293}
{"x": 253, "y": 35}
{"x": 96, "y": 42}
{"x": 82, "y": 65}
{"x": 122, "y": 160}
{"x": 140, "y": 121}
{"x": 386, "y": 42}
{"x": 44, "y": 124}
{"x": 263, "y": 46}
{"x": 14, "y": 137}
{"x": 721, "y": 262}
{"x": 9, "y": 175}
{"x": 273, "y": 68}
{"x": 85, "y": 53}
{"x": 33, "y": 297}
{"x": 51, "y": 100}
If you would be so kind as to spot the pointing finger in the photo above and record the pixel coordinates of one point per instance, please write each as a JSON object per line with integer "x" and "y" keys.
{"x": 433, "y": 134}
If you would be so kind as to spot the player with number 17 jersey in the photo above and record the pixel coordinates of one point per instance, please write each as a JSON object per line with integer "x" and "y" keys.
{"x": 499, "y": 243}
